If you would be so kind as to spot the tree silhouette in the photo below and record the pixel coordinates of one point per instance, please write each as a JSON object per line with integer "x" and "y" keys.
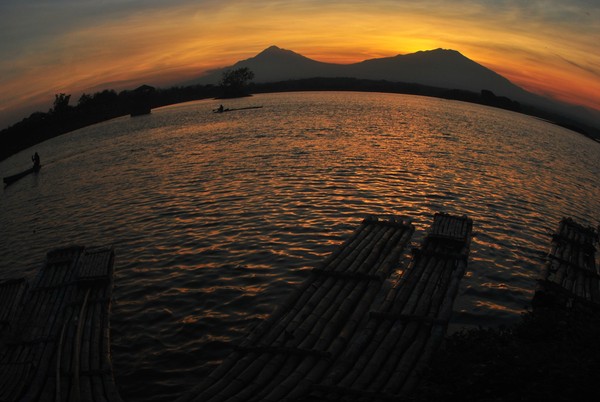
{"x": 61, "y": 104}
{"x": 84, "y": 100}
{"x": 234, "y": 82}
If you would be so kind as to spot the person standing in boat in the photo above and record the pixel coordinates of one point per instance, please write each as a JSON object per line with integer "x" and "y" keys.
{"x": 36, "y": 161}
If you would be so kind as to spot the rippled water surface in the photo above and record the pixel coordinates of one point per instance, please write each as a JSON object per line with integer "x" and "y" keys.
{"x": 216, "y": 217}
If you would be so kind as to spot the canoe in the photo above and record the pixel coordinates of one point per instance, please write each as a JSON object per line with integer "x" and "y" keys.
{"x": 234, "y": 109}
{"x": 11, "y": 179}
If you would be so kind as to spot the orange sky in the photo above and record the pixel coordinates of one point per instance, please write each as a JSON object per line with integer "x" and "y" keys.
{"x": 549, "y": 47}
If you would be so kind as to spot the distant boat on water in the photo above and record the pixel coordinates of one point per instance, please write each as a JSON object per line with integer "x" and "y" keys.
{"x": 11, "y": 179}
{"x": 234, "y": 109}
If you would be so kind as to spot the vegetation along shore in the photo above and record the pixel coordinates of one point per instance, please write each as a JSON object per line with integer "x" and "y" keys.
{"x": 62, "y": 117}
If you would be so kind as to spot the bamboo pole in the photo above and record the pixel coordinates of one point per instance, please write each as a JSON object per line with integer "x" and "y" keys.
{"x": 376, "y": 250}
{"x": 14, "y": 358}
{"x": 315, "y": 305}
{"x": 315, "y": 335}
{"x": 362, "y": 348}
{"x": 324, "y": 316}
{"x": 341, "y": 251}
{"x": 408, "y": 360}
{"x": 429, "y": 293}
{"x": 45, "y": 325}
{"x": 382, "y": 349}
{"x": 567, "y": 281}
{"x": 438, "y": 222}
{"x": 561, "y": 272}
{"x": 313, "y": 299}
{"x": 226, "y": 378}
{"x": 283, "y": 388}
{"x": 353, "y": 261}
{"x": 107, "y": 380}
{"x": 350, "y": 251}
{"x": 438, "y": 331}
{"x": 348, "y": 306}
{"x": 284, "y": 365}
{"x": 312, "y": 369}
{"x": 15, "y": 381}
{"x": 98, "y": 353}
{"x": 398, "y": 236}
{"x": 266, "y": 379}
{"x": 366, "y": 258}
{"x": 398, "y": 346}
{"x": 415, "y": 295}
{"x": 46, "y": 389}
{"x": 85, "y": 381}
{"x": 308, "y": 341}
{"x": 21, "y": 377}
{"x": 452, "y": 229}
{"x": 445, "y": 225}
{"x": 405, "y": 353}
{"x": 313, "y": 373}
{"x": 75, "y": 393}
{"x": 58, "y": 359}
{"x": 578, "y": 287}
{"x": 549, "y": 270}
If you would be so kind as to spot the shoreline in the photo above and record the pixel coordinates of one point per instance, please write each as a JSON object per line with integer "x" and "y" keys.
{"x": 40, "y": 126}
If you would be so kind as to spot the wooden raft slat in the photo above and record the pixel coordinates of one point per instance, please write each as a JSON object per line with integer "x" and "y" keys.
{"x": 58, "y": 351}
{"x": 11, "y": 294}
{"x": 570, "y": 273}
{"x": 387, "y": 357}
{"x": 34, "y": 335}
{"x": 312, "y": 327}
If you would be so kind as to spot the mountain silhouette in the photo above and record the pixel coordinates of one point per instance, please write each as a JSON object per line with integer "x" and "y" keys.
{"x": 441, "y": 68}
{"x": 438, "y": 68}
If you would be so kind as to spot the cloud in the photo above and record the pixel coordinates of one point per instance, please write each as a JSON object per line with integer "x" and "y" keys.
{"x": 591, "y": 70}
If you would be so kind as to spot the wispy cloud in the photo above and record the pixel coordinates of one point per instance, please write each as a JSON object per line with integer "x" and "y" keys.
{"x": 587, "y": 69}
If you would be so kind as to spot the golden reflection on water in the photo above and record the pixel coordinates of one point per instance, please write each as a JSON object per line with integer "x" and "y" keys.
{"x": 495, "y": 307}
{"x": 216, "y": 217}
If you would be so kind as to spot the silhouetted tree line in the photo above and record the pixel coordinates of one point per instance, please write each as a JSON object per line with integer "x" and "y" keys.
{"x": 108, "y": 104}
{"x": 485, "y": 97}
{"x": 90, "y": 109}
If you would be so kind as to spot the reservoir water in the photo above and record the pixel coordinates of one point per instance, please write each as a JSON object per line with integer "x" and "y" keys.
{"x": 216, "y": 217}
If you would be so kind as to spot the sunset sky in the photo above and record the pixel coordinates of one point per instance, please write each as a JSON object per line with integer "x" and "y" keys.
{"x": 551, "y": 47}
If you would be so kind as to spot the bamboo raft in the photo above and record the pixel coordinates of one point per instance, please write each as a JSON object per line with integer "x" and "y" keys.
{"x": 334, "y": 335}
{"x": 11, "y": 294}
{"x": 570, "y": 274}
{"x": 56, "y": 344}
{"x": 387, "y": 357}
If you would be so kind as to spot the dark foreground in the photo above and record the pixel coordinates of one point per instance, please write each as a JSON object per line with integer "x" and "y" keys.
{"x": 550, "y": 355}
{"x": 350, "y": 332}
{"x": 344, "y": 334}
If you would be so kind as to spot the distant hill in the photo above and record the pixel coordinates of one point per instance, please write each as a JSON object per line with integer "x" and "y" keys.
{"x": 437, "y": 68}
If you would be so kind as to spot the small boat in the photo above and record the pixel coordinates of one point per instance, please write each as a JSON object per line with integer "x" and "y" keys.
{"x": 11, "y": 179}
{"x": 234, "y": 109}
